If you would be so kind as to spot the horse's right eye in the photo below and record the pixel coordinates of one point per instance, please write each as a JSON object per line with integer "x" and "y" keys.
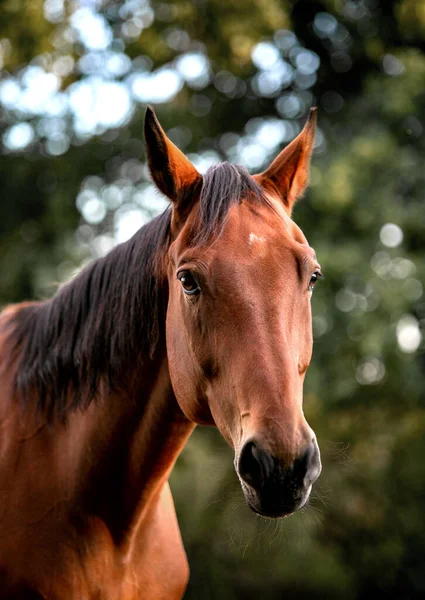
{"x": 189, "y": 283}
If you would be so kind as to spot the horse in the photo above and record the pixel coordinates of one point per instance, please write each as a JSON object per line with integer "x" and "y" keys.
{"x": 202, "y": 317}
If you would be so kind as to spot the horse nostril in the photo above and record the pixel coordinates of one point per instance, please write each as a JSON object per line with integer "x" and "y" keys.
{"x": 307, "y": 467}
{"x": 255, "y": 465}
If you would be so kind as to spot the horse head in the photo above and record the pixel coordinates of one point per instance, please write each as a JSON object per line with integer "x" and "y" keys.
{"x": 239, "y": 327}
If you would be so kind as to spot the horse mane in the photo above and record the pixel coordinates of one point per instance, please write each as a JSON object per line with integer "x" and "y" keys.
{"x": 112, "y": 314}
{"x": 109, "y": 314}
{"x": 223, "y": 186}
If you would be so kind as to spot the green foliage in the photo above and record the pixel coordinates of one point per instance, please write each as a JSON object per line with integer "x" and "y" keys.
{"x": 364, "y": 533}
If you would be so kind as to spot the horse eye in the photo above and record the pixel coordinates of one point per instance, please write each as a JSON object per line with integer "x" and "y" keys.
{"x": 189, "y": 283}
{"x": 313, "y": 280}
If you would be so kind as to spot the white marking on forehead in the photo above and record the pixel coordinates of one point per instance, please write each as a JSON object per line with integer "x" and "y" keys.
{"x": 255, "y": 239}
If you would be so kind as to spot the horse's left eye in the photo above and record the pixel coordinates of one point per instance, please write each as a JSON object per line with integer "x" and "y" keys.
{"x": 189, "y": 283}
{"x": 313, "y": 280}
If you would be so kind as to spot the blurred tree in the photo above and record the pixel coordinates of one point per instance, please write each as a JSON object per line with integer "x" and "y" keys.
{"x": 234, "y": 81}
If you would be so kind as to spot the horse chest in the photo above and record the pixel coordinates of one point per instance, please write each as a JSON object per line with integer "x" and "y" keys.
{"x": 61, "y": 563}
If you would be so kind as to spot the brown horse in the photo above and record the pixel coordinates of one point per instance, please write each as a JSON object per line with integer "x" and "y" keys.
{"x": 202, "y": 317}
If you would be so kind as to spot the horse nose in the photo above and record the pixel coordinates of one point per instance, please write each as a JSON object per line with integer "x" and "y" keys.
{"x": 257, "y": 467}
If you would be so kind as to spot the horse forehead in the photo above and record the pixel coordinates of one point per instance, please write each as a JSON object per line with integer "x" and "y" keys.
{"x": 261, "y": 226}
{"x": 250, "y": 230}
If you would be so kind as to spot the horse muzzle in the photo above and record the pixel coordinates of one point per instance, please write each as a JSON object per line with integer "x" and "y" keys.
{"x": 272, "y": 489}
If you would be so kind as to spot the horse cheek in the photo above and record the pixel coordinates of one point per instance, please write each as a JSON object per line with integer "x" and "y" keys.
{"x": 185, "y": 372}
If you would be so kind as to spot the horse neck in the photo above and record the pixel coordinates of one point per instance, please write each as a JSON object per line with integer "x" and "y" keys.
{"x": 138, "y": 436}
{"x": 110, "y": 460}
{"x": 114, "y": 453}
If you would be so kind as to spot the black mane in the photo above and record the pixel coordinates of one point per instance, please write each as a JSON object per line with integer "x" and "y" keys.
{"x": 113, "y": 313}
{"x": 223, "y": 186}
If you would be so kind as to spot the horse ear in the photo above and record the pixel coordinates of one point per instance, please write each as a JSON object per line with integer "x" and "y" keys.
{"x": 289, "y": 173}
{"x": 172, "y": 172}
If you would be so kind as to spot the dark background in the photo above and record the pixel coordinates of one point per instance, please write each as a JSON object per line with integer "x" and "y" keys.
{"x": 232, "y": 79}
